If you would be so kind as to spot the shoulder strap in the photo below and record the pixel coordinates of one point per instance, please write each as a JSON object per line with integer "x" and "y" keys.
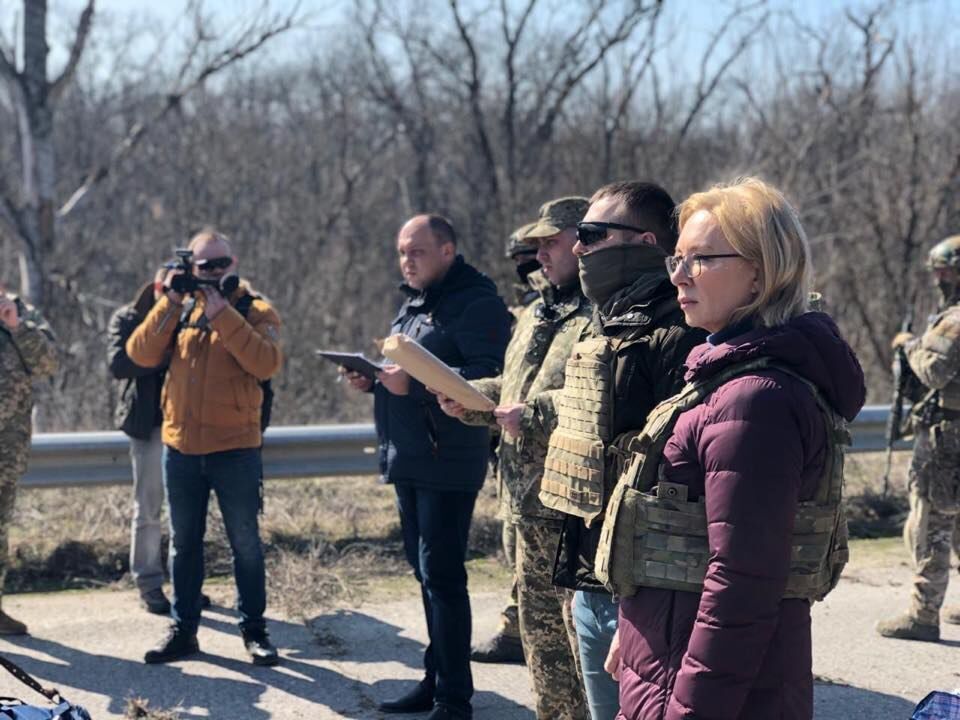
{"x": 245, "y": 303}
{"x": 663, "y": 418}
{"x": 23, "y": 676}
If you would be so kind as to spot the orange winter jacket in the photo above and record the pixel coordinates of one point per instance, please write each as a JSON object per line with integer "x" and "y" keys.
{"x": 211, "y": 397}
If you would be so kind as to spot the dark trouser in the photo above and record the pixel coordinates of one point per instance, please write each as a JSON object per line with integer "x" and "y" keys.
{"x": 435, "y": 526}
{"x": 234, "y": 475}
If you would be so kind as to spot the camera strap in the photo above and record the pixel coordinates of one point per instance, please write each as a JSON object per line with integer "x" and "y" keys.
{"x": 23, "y": 676}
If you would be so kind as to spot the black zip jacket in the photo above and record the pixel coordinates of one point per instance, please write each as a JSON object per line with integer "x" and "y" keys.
{"x": 462, "y": 321}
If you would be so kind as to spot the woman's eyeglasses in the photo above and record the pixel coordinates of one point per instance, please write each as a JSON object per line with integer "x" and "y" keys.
{"x": 693, "y": 265}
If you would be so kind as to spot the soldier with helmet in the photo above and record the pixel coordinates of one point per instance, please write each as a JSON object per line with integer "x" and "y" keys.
{"x": 934, "y": 479}
{"x": 505, "y": 645}
{"x": 523, "y": 252}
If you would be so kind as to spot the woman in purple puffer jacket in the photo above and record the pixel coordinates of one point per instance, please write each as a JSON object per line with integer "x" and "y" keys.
{"x": 754, "y": 449}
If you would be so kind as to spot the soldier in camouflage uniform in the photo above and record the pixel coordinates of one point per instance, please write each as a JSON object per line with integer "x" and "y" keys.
{"x": 934, "y": 479}
{"x": 535, "y": 362}
{"x": 523, "y": 252}
{"x": 505, "y": 646}
{"x": 27, "y": 354}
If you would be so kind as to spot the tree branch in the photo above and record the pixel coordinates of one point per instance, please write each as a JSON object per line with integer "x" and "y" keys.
{"x": 474, "y": 89}
{"x": 220, "y": 61}
{"x": 59, "y": 85}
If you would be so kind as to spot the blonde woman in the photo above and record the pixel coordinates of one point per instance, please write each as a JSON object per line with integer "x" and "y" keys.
{"x": 749, "y": 452}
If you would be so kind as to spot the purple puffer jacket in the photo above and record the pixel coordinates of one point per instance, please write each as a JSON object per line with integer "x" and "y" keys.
{"x": 755, "y": 447}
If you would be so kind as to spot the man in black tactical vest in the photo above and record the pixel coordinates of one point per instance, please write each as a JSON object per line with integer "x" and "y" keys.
{"x": 628, "y": 360}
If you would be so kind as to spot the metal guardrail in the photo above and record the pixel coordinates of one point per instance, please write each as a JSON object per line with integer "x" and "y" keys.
{"x": 102, "y": 458}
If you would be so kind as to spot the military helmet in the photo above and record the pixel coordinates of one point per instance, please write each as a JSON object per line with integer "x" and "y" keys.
{"x": 517, "y": 244}
{"x": 945, "y": 254}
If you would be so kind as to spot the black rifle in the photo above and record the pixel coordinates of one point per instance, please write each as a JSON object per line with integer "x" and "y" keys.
{"x": 904, "y": 388}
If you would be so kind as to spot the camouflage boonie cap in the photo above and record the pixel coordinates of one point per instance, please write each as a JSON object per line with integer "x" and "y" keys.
{"x": 945, "y": 253}
{"x": 517, "y": 243}
{"x": 558, "y": 215}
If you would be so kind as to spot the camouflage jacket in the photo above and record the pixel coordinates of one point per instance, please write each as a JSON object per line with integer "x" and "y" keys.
{"x": 935, "y": 357}
{"x": 26, "y": 354}
{"x": 526, "y": 293}
{"x": 535, "y": 361}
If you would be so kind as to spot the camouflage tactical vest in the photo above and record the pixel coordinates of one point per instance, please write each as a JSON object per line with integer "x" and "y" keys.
{"x": 943, "y": 338}
{"x": 573, "y": 475}
{"x": 653, "y": 536}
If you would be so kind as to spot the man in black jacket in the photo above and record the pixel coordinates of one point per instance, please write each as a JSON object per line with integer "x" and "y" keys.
{"x": 641, "y": 342}
{"x": 138, "y": 415}
{"x": 436, "y": 463}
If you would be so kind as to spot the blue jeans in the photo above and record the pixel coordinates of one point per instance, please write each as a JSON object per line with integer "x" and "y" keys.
{"x": 234, "y": 475}
{"x": 435, "y": 525}
{"x": 595, "y": 617}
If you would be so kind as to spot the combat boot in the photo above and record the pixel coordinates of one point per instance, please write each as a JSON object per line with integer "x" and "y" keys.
{"x": 906, "y": 627}
{"x": 499, "y": 649}
{"x": 178, "y": 644}
{"x": 9, "y": 626}
{"x": 950, "y": 614}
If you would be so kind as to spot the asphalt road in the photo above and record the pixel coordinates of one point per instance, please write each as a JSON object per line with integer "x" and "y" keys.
{"x": 90, "y": 644}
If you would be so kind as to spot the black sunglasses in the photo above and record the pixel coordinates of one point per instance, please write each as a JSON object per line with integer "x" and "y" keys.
{"x": 589, "y": 233}
{"x": 220, "y": 263}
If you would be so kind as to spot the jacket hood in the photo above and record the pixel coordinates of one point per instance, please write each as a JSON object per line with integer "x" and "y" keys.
{"x": 809, "y": 344}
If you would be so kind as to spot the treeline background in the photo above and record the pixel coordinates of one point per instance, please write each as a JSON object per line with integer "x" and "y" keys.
{"x": 311, "y": 158}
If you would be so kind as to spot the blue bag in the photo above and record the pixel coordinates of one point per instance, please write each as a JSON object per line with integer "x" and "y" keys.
{"x": 938, "y": 706}
{"x": 13, "y": 709}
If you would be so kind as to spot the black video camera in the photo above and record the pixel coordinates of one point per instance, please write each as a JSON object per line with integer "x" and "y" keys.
{"x": 187, "y": 282}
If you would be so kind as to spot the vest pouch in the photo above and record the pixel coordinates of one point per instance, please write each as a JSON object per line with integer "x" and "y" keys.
{"x": 574, "y": 469}
{"x": 572, "y": 479}
{"x": 670, "y": 546}
{"x": 818, "y": 552}
{"x": 613, "y": 564}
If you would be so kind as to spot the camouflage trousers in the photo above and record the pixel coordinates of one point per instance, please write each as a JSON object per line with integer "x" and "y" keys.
{"x": 551, "y": 659}
{"x": 934, "y": 489}
{"x": 509, "y": 616}
{"x": 13, "y": 464}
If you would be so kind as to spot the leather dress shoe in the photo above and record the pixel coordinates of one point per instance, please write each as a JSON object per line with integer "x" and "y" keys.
{"x": 418, "y": 700}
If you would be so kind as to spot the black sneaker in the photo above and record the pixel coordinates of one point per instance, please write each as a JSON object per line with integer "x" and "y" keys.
{"x": 204, "y": 601}
{"x": 178, "y": 644}
{"x": 261, "y": 650}
{"x": 155, "y": 602}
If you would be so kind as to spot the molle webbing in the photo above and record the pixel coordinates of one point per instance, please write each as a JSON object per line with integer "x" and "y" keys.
{"x": 573, "y": 477}
{"x": 653, "y": 536}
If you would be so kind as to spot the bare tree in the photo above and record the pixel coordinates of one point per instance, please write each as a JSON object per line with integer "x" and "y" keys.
{"x": 30, "y": 212}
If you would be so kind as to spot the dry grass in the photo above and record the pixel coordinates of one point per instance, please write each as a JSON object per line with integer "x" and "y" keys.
{"x": 328, "y": 541}
{"x": 870, "y": 514}
{"x": 139, "y": 709}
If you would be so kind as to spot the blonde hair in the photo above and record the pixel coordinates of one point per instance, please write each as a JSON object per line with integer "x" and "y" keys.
{"x": 764, "y": 228}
